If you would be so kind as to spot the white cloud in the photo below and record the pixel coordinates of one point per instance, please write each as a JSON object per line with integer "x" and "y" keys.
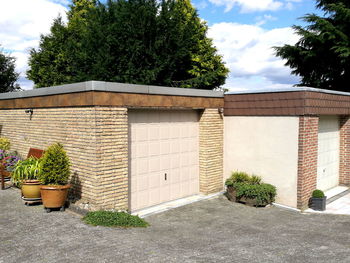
{"x": 248, "y": 53}
{"x": 21, "y": 23}
{"x": 261, "y": 20}
{"x": 248, "y": 6}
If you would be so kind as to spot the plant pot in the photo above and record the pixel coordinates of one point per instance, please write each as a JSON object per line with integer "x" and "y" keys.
{"x": 31, "y": 189}
{"x": 318, "y": 204}
{"x": 54, "y": 196}
{"x": 231, "y": 193}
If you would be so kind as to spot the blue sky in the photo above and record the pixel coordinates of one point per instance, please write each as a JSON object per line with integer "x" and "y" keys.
{"x": 242, "y": 30}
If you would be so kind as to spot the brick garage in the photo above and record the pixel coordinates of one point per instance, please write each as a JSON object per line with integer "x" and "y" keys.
{"x": 91, "y": 119}
{"x": 296, "y": 139}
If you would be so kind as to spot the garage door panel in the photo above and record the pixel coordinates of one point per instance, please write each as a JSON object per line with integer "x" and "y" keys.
{"x": 165, "y": 147}
{"x": 163, "y": 142}
{"x": 154, "y": 164}
{"x": 328, "y": 153}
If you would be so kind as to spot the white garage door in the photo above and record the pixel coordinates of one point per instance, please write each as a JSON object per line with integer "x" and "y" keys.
{"x": 164, "y": 156}
{"x": 328, "y": 153}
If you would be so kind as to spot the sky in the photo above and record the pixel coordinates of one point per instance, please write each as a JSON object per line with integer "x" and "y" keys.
{"x": 244, "y": 32}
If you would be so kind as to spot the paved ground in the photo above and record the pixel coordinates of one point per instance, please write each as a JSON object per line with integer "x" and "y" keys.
{"x": 208, "y": 231}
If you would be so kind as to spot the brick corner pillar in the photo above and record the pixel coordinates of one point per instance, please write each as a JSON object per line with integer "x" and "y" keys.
{"x": 112, "y": 182}
{"x": 307, "y": 159}
{"x": 344, "y": 161}
{"x": 211, "y": 131}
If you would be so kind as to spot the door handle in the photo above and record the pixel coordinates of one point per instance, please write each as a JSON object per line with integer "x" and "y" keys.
{"x": 165, "y": 176}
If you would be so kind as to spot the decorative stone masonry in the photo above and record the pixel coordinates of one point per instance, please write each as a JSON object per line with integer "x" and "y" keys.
{"x": 344, "y": 169}
{"x": 307, "y": 159}
{"x": 211, "y": 151}
{"x": 112, "y": 158}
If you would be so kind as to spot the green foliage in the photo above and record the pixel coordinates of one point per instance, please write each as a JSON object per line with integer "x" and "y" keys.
{"x": 322, "y": 55}
{"x": 238, "y": 177}
{"x": 131, "y": 41}
{"x": 114, "y": 219}
{"x": 317, "y": 194}
{"x": 5, "y": 144}
{"x": 262, "y": 193}
{"x": 8, "y": 75}
{"x": 251, "y": 187}
{"x": 55, "y": 166}
{"x": 254, "y": 179}
{"x": 28, "y": 169}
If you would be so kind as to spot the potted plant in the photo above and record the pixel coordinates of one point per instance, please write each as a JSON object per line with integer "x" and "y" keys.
{"x": 54, "y": 177}
{"x": 8, "y": 163}
{"x": 318, "y": 200}
{"x": 25, "y": 175}
{"x": 250, "y": 190}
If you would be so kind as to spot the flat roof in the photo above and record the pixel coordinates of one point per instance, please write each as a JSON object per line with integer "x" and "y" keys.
{"x": 291, "y": 89}
{"x": 111, "y": 87}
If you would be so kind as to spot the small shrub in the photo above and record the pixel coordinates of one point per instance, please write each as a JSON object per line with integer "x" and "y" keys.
{"x": 114, "y": 219}
{"x": 4, "y": 144}
{"x": 262, "y": 193}
{"x": 317, "y": 194}
{"x": 254, "y": 179}
{"x": 238, "y": 177}
{"x": 55, "y": 166}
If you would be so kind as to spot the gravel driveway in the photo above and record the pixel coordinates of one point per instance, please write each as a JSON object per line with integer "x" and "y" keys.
{"x": 214, "y": 230}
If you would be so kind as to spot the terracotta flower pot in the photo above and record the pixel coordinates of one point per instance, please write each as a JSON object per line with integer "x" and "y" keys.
{"x": 31, "y": 189}
{"x": 54, "y": 196}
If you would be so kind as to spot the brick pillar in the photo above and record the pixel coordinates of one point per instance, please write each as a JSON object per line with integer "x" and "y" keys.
{"x": 111, "y": 183}
{"x": 211, "y": 151}
{"x": 307, "y": 159}
{"x": 344, "y": 169}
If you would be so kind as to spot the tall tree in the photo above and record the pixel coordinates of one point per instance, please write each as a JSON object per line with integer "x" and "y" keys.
{"x": 322, "y": 55}
{"x": 8, "y": 75}
{"x": 132, "y": 41}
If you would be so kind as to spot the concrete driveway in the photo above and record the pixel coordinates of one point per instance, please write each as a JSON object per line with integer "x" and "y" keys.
{"x": 213, "y": 230}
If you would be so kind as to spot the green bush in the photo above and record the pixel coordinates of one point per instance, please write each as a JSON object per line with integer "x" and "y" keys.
{"x": 238, "y": 177}
{"x": 317, "y": 194}
{"x": 254, "y": 179}
{"x": 114, "y": 219}
{"x": 262, "y": 193}
{"x": 55, "y": 166}
{"x": 4, "y": 144}
{"x": 28, "y": 169}
{"x": 251, "y": 187}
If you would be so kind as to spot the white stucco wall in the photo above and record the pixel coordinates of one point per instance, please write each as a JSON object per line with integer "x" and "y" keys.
{"x": 265, "y": 146}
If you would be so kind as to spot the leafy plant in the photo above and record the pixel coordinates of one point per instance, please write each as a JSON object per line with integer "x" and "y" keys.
{"x": 262, "y": 193}
{"x": 28, "y": 169}
{"x": 238, "y": 177}
{"x": 10, "y": 161}
{"x": 55, "y": 166}
{"x": 3, "y": 154}
{"x": 317, "y": 194}
{"x": 114, "y": 219}
{"x": 254, "y": 179}
{"x": 4, "y": 144}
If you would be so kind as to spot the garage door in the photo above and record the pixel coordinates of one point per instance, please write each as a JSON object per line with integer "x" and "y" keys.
{"x": 164, "y": 156}
{"x": 328, "y": 153}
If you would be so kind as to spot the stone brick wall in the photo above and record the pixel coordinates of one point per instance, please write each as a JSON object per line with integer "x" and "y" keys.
{"x": 211, "y": 151}
{"x": 112, "y": 151}
{"x": 307, "y": 161}
{"x": 344, "y": 169}
{"x": 95, "y": 139}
